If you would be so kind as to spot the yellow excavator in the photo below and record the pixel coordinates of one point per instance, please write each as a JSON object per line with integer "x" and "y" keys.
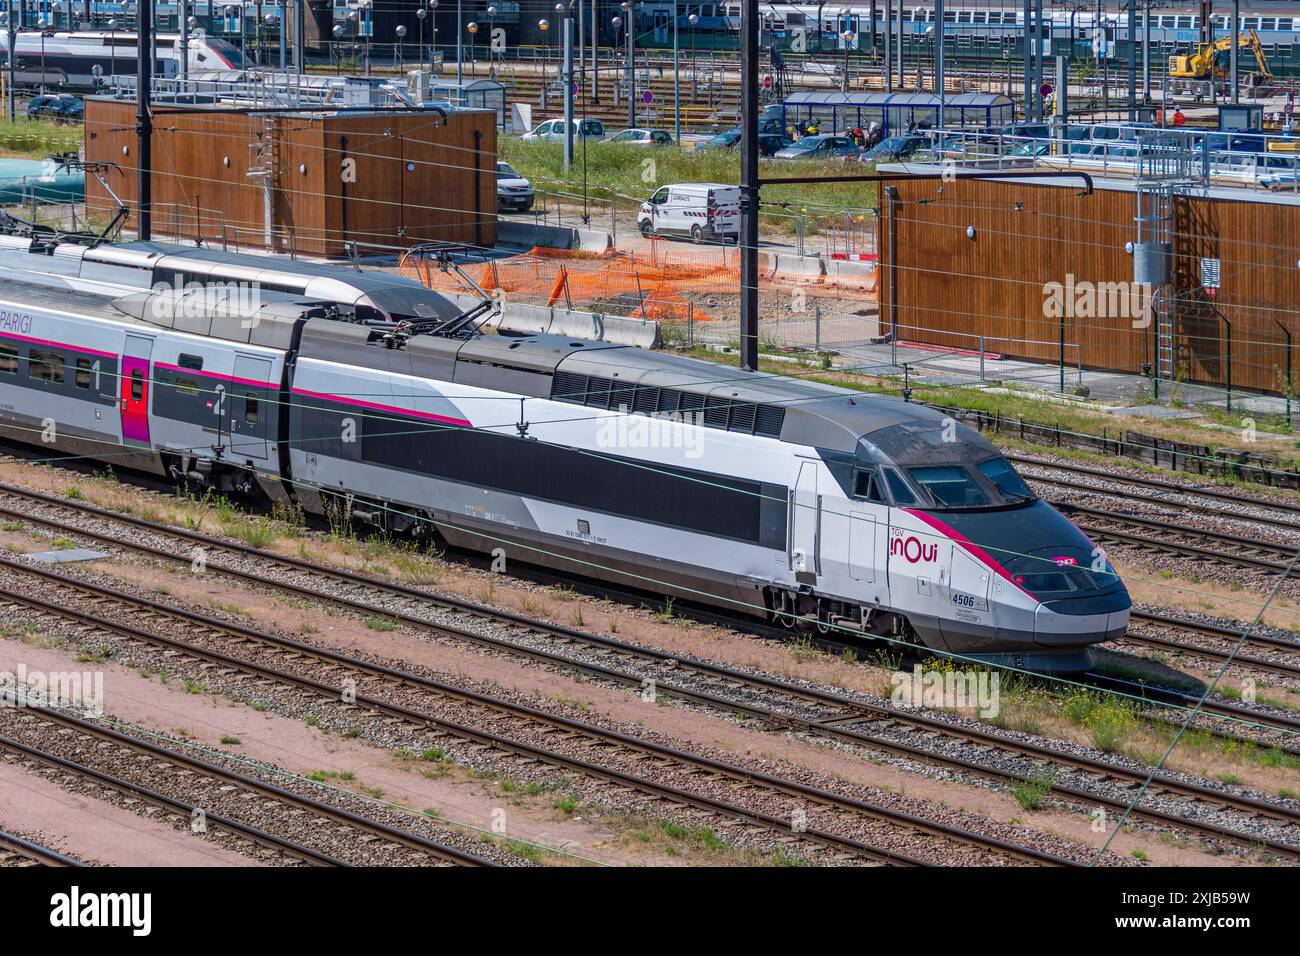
{"x": 1200, "y": 65}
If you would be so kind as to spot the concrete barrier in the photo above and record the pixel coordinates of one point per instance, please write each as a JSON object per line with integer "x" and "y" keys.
{"x": 792, "y": 266}
{"x": 847, "y": 273}
{"x": 515, "y": 233}
{"x": 593, "y": 240}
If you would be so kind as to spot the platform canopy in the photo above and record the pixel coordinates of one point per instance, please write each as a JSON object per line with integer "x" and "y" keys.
{"x": 833, "y": 111}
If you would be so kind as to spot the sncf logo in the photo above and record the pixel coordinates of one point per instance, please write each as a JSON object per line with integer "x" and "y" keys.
{"x": 913, "y": 549}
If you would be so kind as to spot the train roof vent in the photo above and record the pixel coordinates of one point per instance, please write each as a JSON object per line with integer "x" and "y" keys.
{"x": 569, "y": 387}
{"x": 769, "y": 420}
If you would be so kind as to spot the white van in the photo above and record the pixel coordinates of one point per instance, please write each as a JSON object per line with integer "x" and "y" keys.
{"x": 699, "y": 210}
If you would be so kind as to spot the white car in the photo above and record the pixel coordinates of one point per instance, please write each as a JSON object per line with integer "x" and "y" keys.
{"x": 642, "y": 137}
{"x": 552, "y": 131}
{"x": 699, "y": 210}
{"x": 514, "y": 193}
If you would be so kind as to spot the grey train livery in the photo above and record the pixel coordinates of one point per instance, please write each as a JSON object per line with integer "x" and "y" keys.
{"x": 365, "y": 394}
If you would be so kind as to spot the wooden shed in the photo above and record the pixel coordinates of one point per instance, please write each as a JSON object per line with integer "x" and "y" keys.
{"x": 307, "y": 182}
{"x": 990, "y": 259}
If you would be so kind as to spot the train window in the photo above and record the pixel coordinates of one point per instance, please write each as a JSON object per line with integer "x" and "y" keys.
{"x": 250, "y": 408}
{"x": 1003, "y": 477}
{"x": 186, "y": 385}
{"x": 137, "y": 385}
{"x": 8, "y": 358}
{"x": 46, "y": 366}
{"x": 898, "y": 488}
{"x": 866, "y": 486}
{"x": 950, "y": 486}
{"x": 192, "y": 362}
{"x": 82, "y": 377}
{"x": 1284, "y": 24}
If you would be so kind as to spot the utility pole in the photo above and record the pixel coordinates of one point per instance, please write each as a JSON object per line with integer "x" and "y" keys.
{"x": 460, "y": 30}
{"x": 13, "y": 43}
{"x": 889, "y": 52}
{"x": 677, "y": 89}
{"x": 1236, "y": 38}
{"x": 631, "y": 62}
{"x": 182, "y": 16}
{"x": 568, "y": 92}
{"x": 901, "y": 81}
{"x": 749, "y": 185}
{"x": 1146, "y": 52}
{"x": 143, "y": 122}
{"x": 938, "y": 56}
{"x": 1132, "y": 61}
{"x": 1029, "y": 61}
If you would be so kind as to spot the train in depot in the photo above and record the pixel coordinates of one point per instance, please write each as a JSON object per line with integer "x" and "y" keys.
{"x": 365, "y": 394}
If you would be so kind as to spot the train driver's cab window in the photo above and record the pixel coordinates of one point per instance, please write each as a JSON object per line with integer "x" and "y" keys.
{"x": 867, "y": 487}
{"x": 902, "y": 493}
{"x": 950, "y": 486}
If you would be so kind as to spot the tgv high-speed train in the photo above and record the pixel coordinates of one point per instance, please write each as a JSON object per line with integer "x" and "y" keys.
{"x": 367, "y": 394}
{"x": 68, "y": 60}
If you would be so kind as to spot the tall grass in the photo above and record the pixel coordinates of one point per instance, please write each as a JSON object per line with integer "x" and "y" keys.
{"x": 634, "y": 172}
{"x": 38, "y": 139}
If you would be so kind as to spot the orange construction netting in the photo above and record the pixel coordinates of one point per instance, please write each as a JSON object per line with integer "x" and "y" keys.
{"x": 669, "y": 283}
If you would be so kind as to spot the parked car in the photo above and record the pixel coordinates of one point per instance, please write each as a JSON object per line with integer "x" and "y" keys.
{"x": 642, "y": 137}
{"x": 769, "y": 144}
{"x": 822, "y": 146}
{"x": 728, "y": 140}
{"x": 514, "y": 193}
{"x": 891, "y": 149}
{"x": 1028, "y": 130}
{"x": 59, "y": 106}
{"x": 552, "y": 131}
{"x": 699, "y": 210}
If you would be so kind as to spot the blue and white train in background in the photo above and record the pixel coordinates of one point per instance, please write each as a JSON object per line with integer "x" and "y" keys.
{"x": 368, "y": 395}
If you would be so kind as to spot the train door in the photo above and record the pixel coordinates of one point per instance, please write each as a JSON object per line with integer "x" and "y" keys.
{"x": 968, "y": 586}
{"x": 805, "y": 522}
{"x": 134, "y": 389}
{"x": 247, "y": 406}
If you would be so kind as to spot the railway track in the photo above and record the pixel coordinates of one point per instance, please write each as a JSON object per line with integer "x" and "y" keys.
{"x": 655, "y": 761}
{"x": 50, "y": 723}
{"x": 1168, "y": 537}
{"x": 729, "y": 690}
{"x": 1215, "y": 632}
{"x": 1287, "y": 515}
{"x": 17, "y": 851}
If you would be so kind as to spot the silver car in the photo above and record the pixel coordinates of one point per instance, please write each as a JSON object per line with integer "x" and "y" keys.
{"x": 552, "y": 131}
{"x": 514, "y": 193}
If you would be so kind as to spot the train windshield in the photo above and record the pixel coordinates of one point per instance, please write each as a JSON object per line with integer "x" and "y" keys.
{"x": 960, "y": 486}
{"x": 227, "y": 51}
{"x": 951, "y": 487}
